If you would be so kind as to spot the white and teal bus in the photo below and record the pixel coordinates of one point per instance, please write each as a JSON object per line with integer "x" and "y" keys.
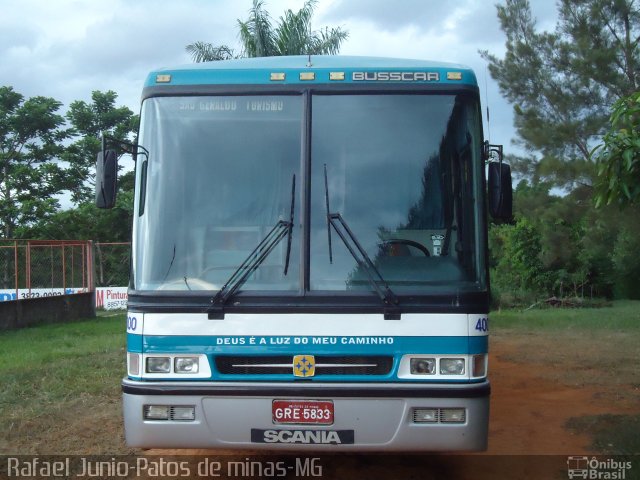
{"x": 309, "y": 265}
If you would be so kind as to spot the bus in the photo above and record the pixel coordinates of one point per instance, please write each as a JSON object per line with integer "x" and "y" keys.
{"x": 309, "y": 256}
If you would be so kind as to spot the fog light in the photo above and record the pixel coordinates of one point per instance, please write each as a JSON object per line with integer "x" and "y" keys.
{"x": 425, "y": 415}
{"x": 158, "y": 364}
{"x": 423, "y": 366}
{"x": 452, "y": 366}
{"x": 479, "y": 366}
{"x": 156, "y": 412}
{"x": 133, "y": 361}
{"x": 186, "y": 365}
{"x": 183, "y": 413}
{"x": 453, "y": 415}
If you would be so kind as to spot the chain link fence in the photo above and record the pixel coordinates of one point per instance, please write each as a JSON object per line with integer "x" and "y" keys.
{"x": 35, "y": 268}
{"x": 112, "y": 262}
{"x": 40, "y": 268}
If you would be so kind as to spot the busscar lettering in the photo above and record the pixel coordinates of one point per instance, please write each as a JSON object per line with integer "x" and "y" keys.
{"x": 395, "y": 76}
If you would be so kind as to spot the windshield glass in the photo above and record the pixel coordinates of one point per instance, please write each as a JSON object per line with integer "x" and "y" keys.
{"x": 219, "y": 178}
{"x": 404, "y": 172}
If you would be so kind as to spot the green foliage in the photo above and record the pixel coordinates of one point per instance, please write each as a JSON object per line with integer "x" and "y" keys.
{"x": 517, "y": 267}
{"x": 292, "y": 35}
{"x": 618, "y": 157}
{"x": 87, "y": 222}
{"x": 89, "y": 121}
{"x": 584, "y": 252}
{"x": 625, "y": 259}
{"x": 562, "y": 83}
{"x": 31, "y": 136}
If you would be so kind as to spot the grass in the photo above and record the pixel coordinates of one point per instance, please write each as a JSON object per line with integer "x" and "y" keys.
{"x": 623, "y": 315}
{"x": 612, "y": 434}
{"x": 58, "y": 378}
{"x": 596, "y": 348}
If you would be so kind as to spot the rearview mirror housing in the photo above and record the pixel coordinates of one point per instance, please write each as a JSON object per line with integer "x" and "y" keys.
{"x": 500, "y": 191}
{"x": 106, "y": 179}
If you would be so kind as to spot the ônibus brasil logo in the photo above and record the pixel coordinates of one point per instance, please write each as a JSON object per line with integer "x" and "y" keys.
{"x": 595, "y": 468}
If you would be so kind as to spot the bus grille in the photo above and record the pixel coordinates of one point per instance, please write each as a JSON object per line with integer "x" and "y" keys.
{"x": 283, "y": 365}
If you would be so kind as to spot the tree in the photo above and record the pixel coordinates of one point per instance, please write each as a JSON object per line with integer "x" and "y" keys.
{"x": 89, "y": 122}
{"x": 516, "y": 268}
{"x": 618, "y": 157}
{"x": 292, "y": 36}
{"x": 31, "y": 136}
{"x": 563, "y": 83}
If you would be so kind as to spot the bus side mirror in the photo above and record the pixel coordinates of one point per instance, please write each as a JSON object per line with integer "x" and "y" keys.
{"x": 500, "y": 191}
{"x": 106, "y": 179}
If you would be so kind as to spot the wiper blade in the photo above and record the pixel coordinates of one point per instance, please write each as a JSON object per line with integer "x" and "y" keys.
{"x": 256, "y": 258}
{"x": 361, "y": 257}
{"x": 290, "y": 234}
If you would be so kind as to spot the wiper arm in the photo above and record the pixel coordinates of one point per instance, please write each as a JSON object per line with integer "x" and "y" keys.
{"x": 256, "y": 258}
{"x": 361, "y": 257}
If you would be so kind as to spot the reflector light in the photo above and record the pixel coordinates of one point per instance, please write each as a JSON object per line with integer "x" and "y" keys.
{"x": 454, "y": 75}
{"x": 453, "y": 415}
{"x": 134, "y": 364}
{"x": 183, "y": 413}
{"x": 336, "y": 75}
{"x": 479, "y": 366}
{"x": 425, "y": 415}
{"x": 307, "y": 75}
{"x": 277, "y": 76}
{"x": 156, "y": 412}
{"x": 163, "y": 78}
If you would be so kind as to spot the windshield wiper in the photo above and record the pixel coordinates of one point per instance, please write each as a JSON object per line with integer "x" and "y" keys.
{"x": 361, "y": 257}
{"x": 256, "y": 258}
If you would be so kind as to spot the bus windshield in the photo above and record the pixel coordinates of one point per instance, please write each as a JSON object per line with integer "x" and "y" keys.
{"x": 404, "y": 172}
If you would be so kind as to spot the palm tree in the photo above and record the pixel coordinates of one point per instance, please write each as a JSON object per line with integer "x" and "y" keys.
{"x": 206, "y": 52}
{"x": 292, "y": 36}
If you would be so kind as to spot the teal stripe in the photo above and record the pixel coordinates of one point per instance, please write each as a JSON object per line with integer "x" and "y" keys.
{"x": 292, "y": 77}
{"x": 335, "y": 345}
{"x": 134, "y": 343}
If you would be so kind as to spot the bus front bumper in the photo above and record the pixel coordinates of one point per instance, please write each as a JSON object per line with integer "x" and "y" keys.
{"x": 367, "y": 417}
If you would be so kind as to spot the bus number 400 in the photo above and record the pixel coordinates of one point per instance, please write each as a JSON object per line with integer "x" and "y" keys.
{"x": 132, "y": 323}
{"x": 482, "y": 325}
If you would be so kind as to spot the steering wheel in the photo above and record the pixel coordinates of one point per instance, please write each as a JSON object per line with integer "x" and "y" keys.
{"x": 387, "y": 246}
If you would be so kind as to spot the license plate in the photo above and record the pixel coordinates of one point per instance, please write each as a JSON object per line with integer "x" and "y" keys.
{"x": 315, "y": 412}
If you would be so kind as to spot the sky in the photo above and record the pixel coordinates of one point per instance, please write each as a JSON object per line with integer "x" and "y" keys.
{"x": 66, "y": 49}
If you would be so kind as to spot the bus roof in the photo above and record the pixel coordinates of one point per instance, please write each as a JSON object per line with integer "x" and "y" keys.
{"x": 314, "y": 69}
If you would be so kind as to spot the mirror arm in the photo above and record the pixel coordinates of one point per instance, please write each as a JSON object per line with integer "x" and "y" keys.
{"x": 491, "y": 151}
{"x": 131, "y": 148}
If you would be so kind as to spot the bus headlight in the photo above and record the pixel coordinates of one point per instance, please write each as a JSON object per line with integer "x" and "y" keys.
{"x": 158, "y": 364}
{"x": 186, "y": 365}
{"x": 452, "y": 366}
{"x": 423, "y": 366}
